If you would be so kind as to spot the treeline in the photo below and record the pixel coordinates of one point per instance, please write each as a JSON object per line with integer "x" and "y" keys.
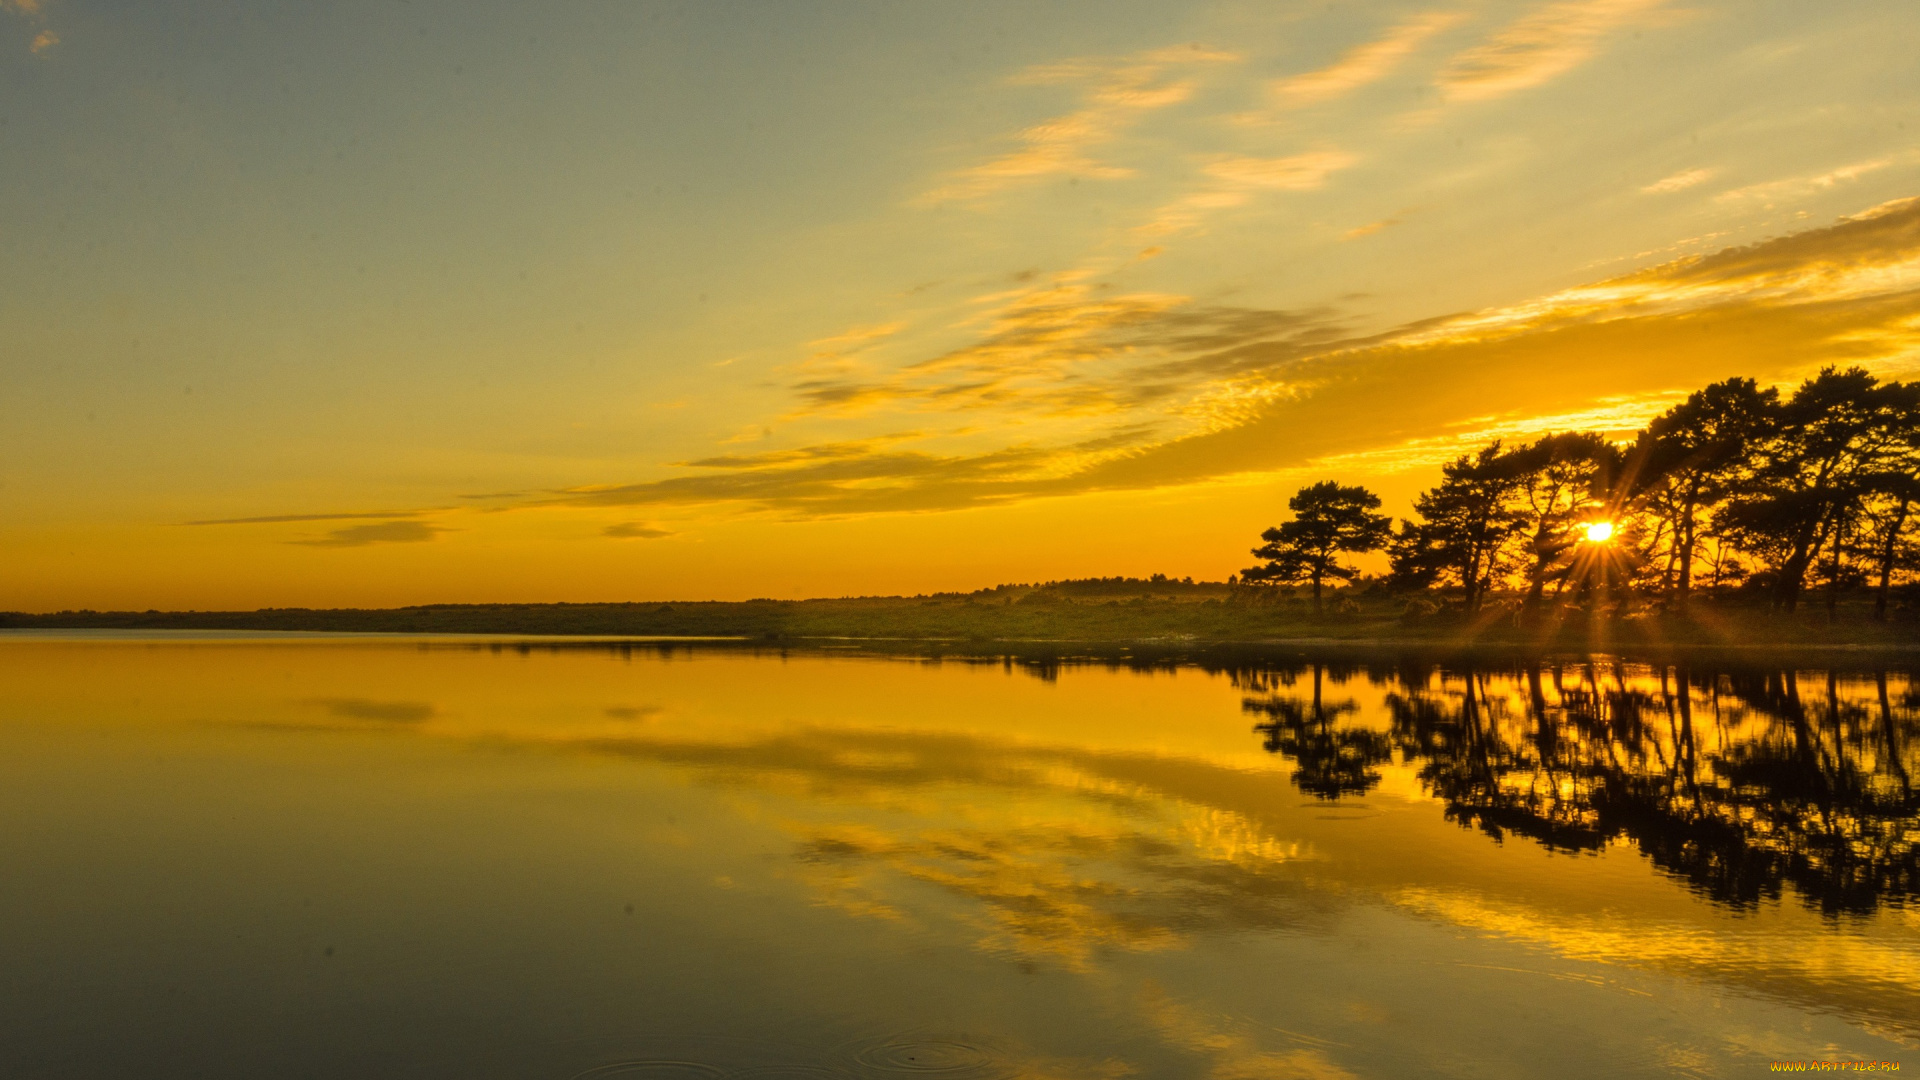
{"x": 1737, "y": 487}
{"x": 1159, "y": 584}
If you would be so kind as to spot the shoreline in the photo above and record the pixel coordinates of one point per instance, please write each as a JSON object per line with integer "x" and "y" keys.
{"x": 1146, "y": 650}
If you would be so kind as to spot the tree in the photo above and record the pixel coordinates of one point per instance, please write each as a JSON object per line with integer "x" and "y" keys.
{"x": 1837, "y": 433}
{"x": 1328, "y": 520}
{"x": 1686, "y": 459}
{"x": 1559, "y": 482}
{"x": 1888, "y": 516}
{"x": 1466, "y": 529}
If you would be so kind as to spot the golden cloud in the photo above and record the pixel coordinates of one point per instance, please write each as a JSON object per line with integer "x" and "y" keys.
{"x": 1679, "y": 181}
{"x": 1120, "y": 92}
{"x": 1208, "y": 392}
{"x": 1301, "y": 172}
{"x": 1775, "y": 191}
{"x": 1364, "y": 64}
{"x": 1235, "y": 179}
{"x": 1536, "y": 48}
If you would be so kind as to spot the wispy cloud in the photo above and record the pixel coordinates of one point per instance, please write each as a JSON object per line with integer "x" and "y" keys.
{"x": 1068, "y": 346}
{"x": 773, "y": 459}
{"x": 1372, "y": 227}
{"x": 1233, "y": 181}
{"x": 1287, "y": 390}
{"x": 1119, "y": 92}
{"x": 276, "y": 519}
{"x": 386, "y": 712}
{"x": 1776, "y": 191}
{"x": 1679, "y": 181}
{"x": 386, "y": 532}
{"x": 1536, "y": 48}
{"x": 30, "y": 9}
{"x": 1615, "y": 414}
{"x": 1301, "y": 172}
{"x": 1364, "y": 64}
{"x": 635, "y": 530}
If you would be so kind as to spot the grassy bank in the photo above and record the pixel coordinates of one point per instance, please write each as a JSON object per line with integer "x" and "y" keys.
{"x": 1092, "y": 612}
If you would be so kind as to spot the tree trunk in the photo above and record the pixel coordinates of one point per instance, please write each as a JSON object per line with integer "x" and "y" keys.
{"x": 1833, "y": 579}
{"x": 1793, "y": 571}
{"x": 1316, "y": 594}
{"x": 1470, "y": 581}
{"x": 1886, "y": 562}
{"x": 1684, "y": 537}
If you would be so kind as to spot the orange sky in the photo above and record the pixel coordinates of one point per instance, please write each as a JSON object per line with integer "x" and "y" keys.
{"x": 480, "y": 303}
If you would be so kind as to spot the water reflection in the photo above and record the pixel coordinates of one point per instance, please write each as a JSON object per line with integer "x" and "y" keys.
{"x": 1736, "y": 781}
{"x": 611, "y": 860}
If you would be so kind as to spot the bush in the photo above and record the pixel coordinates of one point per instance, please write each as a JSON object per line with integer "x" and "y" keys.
{"x": 1419, "y": 609}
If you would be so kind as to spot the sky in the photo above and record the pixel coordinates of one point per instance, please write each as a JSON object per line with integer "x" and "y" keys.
{"x": 368, "y": 305}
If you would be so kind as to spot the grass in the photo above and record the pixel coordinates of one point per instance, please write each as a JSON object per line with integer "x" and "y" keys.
{"x": 1109, "y": 611}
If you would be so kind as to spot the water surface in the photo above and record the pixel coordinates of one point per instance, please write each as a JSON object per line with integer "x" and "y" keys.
{"x": 339, "y": 857}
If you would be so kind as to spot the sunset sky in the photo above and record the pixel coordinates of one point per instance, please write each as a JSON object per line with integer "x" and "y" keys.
{"x": 372, "y": 304}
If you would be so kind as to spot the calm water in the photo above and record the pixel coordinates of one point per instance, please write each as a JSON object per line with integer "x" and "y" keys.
{"x": 390, "y": 858}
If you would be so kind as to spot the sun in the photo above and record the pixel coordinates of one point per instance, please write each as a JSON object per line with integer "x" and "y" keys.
{"x": 1599, "y": 532}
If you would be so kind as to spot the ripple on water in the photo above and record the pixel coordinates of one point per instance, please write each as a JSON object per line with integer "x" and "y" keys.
{"x": 790, "y": 1072}
{"x": 945, "y": 1057}
{"x": 653, "y": 1069}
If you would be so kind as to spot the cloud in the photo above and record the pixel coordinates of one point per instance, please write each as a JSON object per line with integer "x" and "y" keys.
{"x": 881, "y": 481}
{"x": 1364, "y": 64}
{"x": 1234, "y": 181}
{"x": 1067, "y": 347}
{"x": 635, "y": 530}
{"x": 1301, "y": 172}
{"x": 1536, "y": 48}
{"x": 1372, "y": 227}
{"x": 1256, "y": 391}
{"x": 388, "y": 712}
{"x": 1679, "y": 181}
{"x": 30, "y": 9}
{"x": 275, "y": 519}
{"x": 1118, "y": 94}
{"x": 801, "y": 455}
{"x": 386, "y": 532}
{"x": 1774, "y": 191}
{"x": 855, "y": 339}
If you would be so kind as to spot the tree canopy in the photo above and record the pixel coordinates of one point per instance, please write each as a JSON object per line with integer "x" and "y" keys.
{"x": 1737, "y": 487}
{"x": 1328, "y": 520}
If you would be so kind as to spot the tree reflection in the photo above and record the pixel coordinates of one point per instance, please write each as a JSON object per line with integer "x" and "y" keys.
{"x": 1737, "y": 782}
{"x": 1334, "y": 760}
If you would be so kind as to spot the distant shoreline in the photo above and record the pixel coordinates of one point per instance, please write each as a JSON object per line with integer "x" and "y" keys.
{"x": 1176, "y": 617}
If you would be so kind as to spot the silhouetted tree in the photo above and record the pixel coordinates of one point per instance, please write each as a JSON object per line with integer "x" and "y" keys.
{"x": 1684, "y": 461}
{"x": 1328, "y": 520}
{"x": 1821, "y": 487}
{"x": 1839, "y": 430}
{"x": 1466, "y": 529}
{"x": 1560, "y": 482}
{"x": 1887, "y": 517}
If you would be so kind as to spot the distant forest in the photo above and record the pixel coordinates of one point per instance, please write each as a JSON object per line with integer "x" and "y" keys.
{"x": 1737, "y": 489}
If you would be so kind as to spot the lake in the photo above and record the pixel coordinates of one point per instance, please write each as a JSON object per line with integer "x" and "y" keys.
{"x": 249, "y": 856}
